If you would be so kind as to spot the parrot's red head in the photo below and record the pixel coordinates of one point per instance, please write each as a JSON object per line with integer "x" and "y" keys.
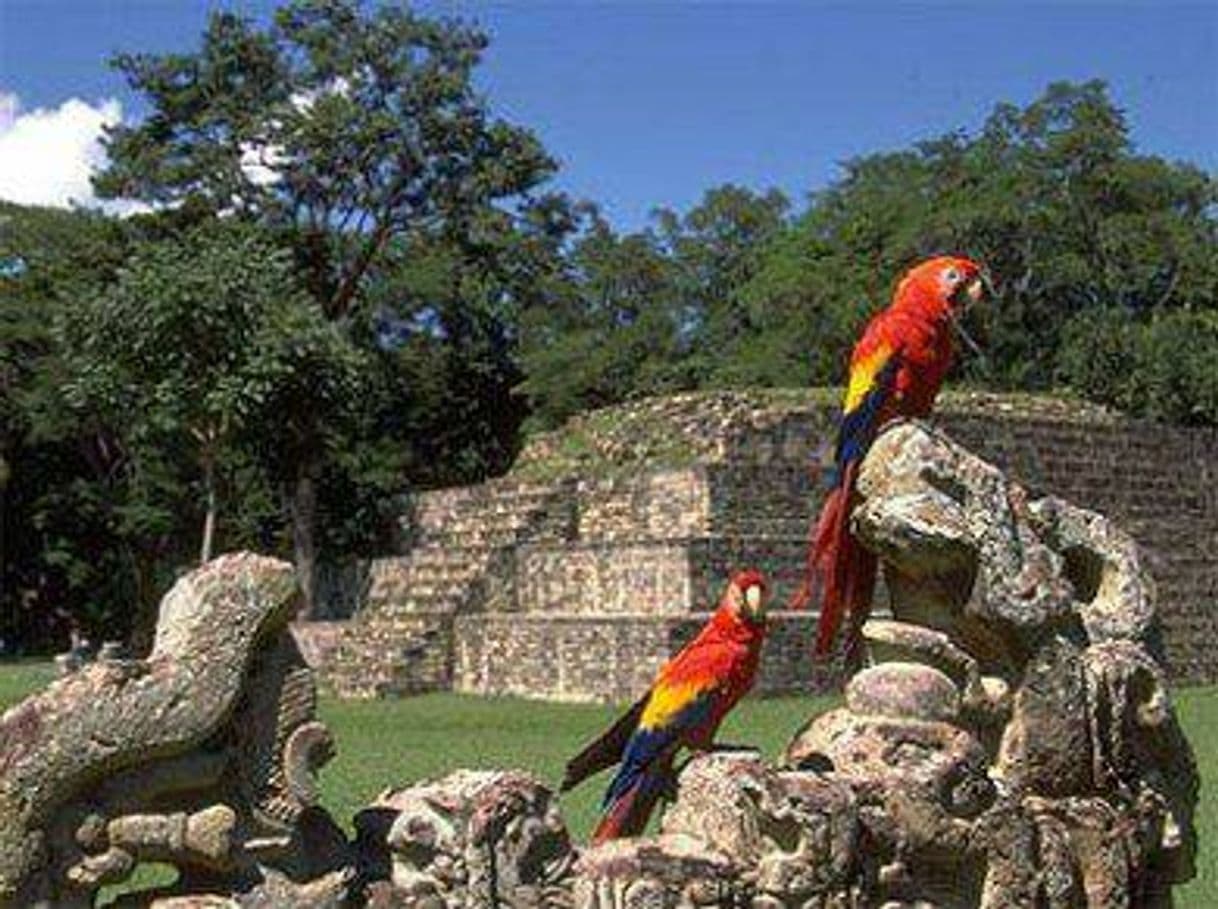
{"x": 746, "y": 595}
{"x": 944, "y": 285}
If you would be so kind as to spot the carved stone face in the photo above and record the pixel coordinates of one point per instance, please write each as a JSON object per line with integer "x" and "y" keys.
{"x": 490, "y": 833}
{"x": 534, "y": 847}
{"x": 670, "y": 871}
{"x": 799, "y": 828}
{"x": 426, "y": 846}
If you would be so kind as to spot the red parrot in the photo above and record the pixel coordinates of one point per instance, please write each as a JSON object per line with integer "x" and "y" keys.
{"x": 688, "y": 699}
{"x": 895, "y": 371}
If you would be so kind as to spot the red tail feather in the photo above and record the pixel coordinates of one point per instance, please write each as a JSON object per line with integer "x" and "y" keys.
{"x": 838, "y": 567}
{"x": 628, "y": 815}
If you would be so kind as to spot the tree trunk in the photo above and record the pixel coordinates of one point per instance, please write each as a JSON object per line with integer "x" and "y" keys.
{"x": 209, "y": 519}
{"x": 304, "y": 540}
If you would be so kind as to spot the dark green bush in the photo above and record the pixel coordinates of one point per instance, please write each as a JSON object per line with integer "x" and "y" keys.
{"x": 1164, "y": 368}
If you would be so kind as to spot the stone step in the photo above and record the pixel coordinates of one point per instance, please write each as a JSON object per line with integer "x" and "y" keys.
{"x": 639, "y": 575}
{"x": 492, "y": 514}
{"x": 423, "y": 577}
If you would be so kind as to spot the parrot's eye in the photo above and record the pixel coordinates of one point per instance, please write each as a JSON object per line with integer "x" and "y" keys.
{"x": 752, "y": 596}
{"x": 951, "y": 276}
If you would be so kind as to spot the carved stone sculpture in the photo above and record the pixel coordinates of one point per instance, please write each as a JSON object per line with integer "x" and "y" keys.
{"x": 670, "y": 871}
{"x": 201, "y": 756}
{"x": 1014, "y": 743}
{"x": 472, "y": 839}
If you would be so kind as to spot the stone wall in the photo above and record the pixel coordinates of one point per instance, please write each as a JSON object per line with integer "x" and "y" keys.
{"x": 389, "y": 655}
{"x": 610, "y": 658}
{"x": 618, "y": 548}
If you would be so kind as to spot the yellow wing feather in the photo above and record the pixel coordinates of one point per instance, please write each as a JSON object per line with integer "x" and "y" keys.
{"x": 666, "y": 701}
{"x": 863, "y": 372}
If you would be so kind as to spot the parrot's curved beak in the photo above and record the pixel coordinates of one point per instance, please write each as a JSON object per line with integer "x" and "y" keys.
{"x": 968, "y": 295}
{"x": 972, "y": 292}
{"x": 753, "y": 603}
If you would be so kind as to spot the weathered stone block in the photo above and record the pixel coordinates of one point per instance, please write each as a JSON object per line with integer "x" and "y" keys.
{"x": 202, "y": 756}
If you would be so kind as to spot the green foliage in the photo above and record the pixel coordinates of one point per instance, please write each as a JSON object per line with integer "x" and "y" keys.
{"x": 61, "y": 562}
{"x": 1165, "y": 368}
{"x": 354, "y": 137}
{"x": 1051, "y": 197}
{"x": 652, "y": 312}
{"x": 202, "y": 339}
{"x": 610, "y": 334}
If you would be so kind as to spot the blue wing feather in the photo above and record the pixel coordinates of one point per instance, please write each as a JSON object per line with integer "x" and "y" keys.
{"x": 647, "y": 745}
{"x": 857, "y": 428}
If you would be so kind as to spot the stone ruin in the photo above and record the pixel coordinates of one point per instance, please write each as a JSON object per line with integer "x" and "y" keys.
{"x": 575, "y": 575}
{"x": 201, "y": 756}
{"x": 1012, "y": 743}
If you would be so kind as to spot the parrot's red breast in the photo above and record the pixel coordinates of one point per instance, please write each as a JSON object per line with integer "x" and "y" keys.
{"x": 896, "y": 370}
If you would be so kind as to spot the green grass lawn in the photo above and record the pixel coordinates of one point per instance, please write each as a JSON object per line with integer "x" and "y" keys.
{"x": 390, "y": 743}
{"x": 394, "y": 743}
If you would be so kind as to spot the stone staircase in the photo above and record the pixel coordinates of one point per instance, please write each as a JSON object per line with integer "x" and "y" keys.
{"x": 430, "y": 578}
{"x": 577, "y": 587}
{"x": 455, "y": 538}
{"x": 492, "y": 514}
{"x": 401, "y": 640}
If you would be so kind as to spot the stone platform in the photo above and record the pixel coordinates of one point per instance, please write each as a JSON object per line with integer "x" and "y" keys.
{"x": 574, "y": 575}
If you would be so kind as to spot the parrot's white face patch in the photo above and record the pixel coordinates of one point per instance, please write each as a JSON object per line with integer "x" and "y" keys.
{"x": 752, "y": 597}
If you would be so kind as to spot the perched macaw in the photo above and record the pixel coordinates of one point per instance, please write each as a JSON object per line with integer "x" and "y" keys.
{"x": 895, "y": 371}
{"x": 688, "y": 699}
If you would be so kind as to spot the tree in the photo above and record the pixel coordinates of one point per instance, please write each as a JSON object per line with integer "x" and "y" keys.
{"x": 1051, "y": 197}
{"x": 341, "y": 130}
{"x": 198, "y": 335}
{"x": 448, "y": 334}
{"x": 610, "y": 333}
{"x": 67, "y": 560}
{"x": 650, "y": 312}
{"x": 716, "y": 249}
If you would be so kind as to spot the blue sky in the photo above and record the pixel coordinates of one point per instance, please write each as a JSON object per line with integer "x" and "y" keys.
{"x": 650, "y": 104}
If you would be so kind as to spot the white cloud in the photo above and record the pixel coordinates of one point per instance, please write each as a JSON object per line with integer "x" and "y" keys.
{"x": 47, "y": 156}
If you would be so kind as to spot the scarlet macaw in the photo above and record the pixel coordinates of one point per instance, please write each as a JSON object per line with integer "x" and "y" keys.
{"x": 895, "y": 371}
{"x": 684, "y": 706}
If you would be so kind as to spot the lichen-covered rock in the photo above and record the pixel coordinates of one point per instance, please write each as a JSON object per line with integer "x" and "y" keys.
{"x": 1014, "y": 745}
{"x": 898, "y": 689}
{"x": 670, "y": 871}
{"x": 470, "y": 839}
{"x": 201, "y": 756}
{"x": 796, "y": 835}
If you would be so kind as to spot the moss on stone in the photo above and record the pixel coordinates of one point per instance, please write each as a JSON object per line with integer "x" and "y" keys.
{"x": 697, "y": 427}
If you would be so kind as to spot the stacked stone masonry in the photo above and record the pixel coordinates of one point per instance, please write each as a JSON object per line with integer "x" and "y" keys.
{"x": 578, "y": 587}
